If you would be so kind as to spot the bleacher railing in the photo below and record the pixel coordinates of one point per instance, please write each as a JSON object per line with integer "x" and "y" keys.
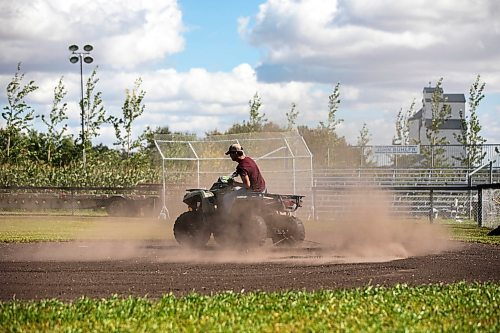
{"x": 426, "y": 156}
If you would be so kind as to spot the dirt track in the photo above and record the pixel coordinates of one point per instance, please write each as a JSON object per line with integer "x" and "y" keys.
{"x": 70, "y": 270}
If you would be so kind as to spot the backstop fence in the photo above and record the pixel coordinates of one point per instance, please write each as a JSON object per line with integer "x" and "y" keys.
{"x": 283, "y": 158}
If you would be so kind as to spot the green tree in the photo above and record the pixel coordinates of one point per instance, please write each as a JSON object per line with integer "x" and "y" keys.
{"x": 333, "y": 107}
{"x": 256, "y": 121}
{"x": 325, "y": 136}
{"x": 132, "y": 108}
{"x": 364, "y": 136}
{"x": 434, "y": 156}
{"x": 95, "y": 114}
{"x": 18, "y": 114}
{"x": 363, "y": 140}
{"x": 470, "y": 136}
{"x": 54, "y": 122}
{"x": 402, "y": 125}
{"x": 291, "y": 117}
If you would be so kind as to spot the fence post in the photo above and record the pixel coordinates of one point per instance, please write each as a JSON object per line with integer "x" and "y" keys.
{"x": 469, "y": 184}
{"x": 491, "y": 172}
{"x": 432, "y": 156}
{"x": 479, "y": 212}
{"x": 314, "y": 211}
{"x": 431, "y": 212}
{"x": 72, "y": 202}
{"x": 328, "y": 157}
{"x": 362, "y": 150}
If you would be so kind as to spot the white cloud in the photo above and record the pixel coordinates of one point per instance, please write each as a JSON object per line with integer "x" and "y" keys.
{"x": 358, "y": 42}
{"x": 124, "y": 33}
{"x": 382, "y": 53}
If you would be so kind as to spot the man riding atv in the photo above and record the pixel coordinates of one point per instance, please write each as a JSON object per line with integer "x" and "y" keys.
{"x": 240, "y": 214}
{"x": 251, "y": 178}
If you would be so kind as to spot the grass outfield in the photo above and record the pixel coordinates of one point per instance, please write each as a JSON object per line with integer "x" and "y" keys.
{"x": 457, "y": 307}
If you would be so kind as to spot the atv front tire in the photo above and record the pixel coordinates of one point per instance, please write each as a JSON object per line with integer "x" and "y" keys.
{"x": 191, "y": 230}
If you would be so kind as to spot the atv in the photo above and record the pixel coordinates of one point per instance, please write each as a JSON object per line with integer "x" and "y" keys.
{"x": 252, "y": 218}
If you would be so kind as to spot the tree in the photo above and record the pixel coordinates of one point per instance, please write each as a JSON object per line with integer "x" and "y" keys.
{"x": 54, "y": 122}
{"x": 18, "y": 115}
{"x": 256, "y": 120}
{"x": 441, "y": 112}
{"x": 326, "y": 132}
{"x": 469, "y": 136}
{"x": 362, "y": 142}
{"x": 364, "y": 136}
{"x": 402, "y": 125}
{"x": 95, "y": 114}
{"x": 291, "y": 117}
{"x": 132, "y": 108}
{"x": 333, "y": 107}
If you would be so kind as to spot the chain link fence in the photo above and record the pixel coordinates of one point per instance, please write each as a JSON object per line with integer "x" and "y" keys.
{"x": 489, "y": 208}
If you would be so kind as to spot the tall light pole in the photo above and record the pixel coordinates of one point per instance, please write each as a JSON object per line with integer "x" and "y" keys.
{"x": 82, "y": 57}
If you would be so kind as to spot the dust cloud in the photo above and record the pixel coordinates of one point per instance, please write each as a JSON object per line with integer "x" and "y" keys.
{"x": 364, "y": 231}
{"x": 367, "y": 230}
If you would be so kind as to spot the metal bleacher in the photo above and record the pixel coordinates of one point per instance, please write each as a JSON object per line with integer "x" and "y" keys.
{"x": 414, "y": 192}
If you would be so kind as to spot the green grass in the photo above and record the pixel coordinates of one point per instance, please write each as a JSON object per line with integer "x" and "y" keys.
{"x": 65, "y": 228}
{"x": 54, "y": 212}
{"x": 457, "y": 307}
{"x": 468, "y": 231}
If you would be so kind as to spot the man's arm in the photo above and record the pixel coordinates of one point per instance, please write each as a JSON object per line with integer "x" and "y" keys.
{"x": 245, "y": 182}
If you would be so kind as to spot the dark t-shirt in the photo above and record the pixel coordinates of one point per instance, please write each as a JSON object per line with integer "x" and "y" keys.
{"x": 247, "y": 166}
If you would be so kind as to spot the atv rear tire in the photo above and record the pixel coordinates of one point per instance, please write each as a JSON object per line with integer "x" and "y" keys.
{"x": 191, "y": 230}
{"x": 254, "y": 231}
{"x": 293, "y": 232}
{"x": 247, "y": 233}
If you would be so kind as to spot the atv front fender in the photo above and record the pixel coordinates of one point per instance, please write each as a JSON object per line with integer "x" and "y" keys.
{"x": 200, "y": 198}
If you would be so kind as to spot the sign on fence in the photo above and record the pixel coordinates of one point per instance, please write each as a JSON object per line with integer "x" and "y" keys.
{"x": 413, "y": 149}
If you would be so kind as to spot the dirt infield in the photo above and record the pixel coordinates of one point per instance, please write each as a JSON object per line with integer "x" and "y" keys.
{"x": 69, "y": 270}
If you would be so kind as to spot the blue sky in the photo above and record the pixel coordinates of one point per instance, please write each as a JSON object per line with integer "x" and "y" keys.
{"x": 202, "y": 61}
{"x": 213, "y": 40}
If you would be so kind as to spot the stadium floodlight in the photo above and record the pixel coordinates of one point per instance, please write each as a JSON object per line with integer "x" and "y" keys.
{"x": 82, "y": 57}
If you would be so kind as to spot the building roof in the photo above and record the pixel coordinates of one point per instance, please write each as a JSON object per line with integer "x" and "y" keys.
{"x": 450, "y": 98}
{"x": 430, "y": 90}
{"x": 417, "y": 115}
{"x": 454, "y": 98}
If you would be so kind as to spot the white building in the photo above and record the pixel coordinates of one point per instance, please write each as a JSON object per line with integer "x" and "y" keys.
{"x": 422, "y": 120}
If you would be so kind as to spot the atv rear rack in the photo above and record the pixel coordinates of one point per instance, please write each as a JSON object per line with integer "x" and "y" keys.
{"x": 288, "y": 202}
